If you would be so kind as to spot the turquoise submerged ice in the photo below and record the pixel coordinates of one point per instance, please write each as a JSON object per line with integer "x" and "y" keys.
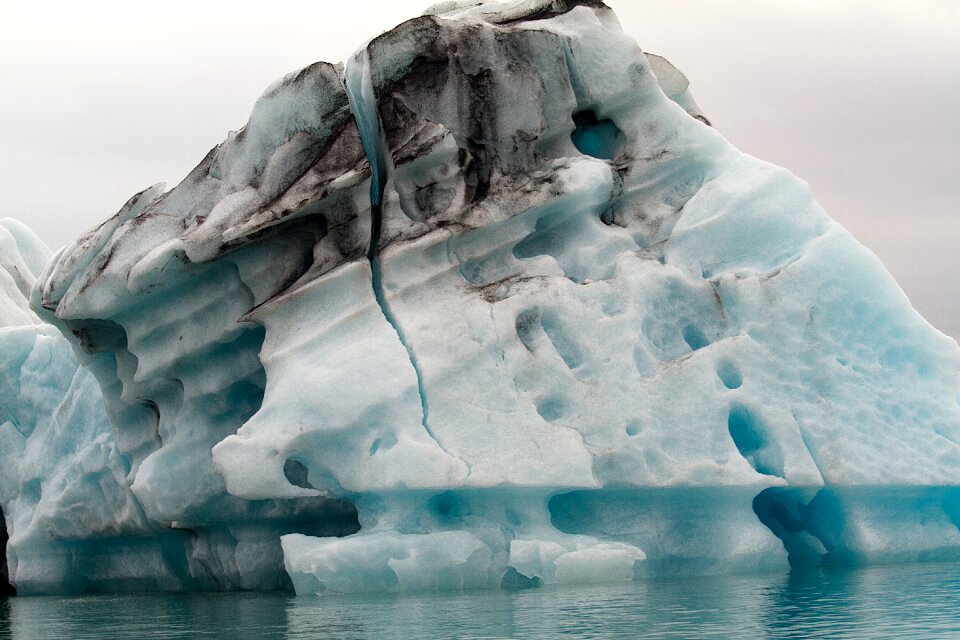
{"x": 490, "y": 305}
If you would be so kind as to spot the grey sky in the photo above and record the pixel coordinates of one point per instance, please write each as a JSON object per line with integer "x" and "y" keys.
{"x": 858, "y": 97}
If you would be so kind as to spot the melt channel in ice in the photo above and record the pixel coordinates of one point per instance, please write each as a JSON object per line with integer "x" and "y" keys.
{"x": 498, "y": 286}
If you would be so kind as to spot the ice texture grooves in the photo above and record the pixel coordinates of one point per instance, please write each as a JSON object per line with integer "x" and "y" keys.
{"x": 492, "y": 305}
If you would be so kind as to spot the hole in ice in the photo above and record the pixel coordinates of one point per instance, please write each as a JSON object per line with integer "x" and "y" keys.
{"x": 527, "y": 324}
{"x": 748, "y": 436}
{"x": 633, "y": 428}
{"x": 385, "y": 443}
{"x": 569, "y": 511}
{"x": 784, "y": 511}
{"x": 569, "y": 236}
{"x": 296, "y": 473}
{"x": 552, "y": 408}
{"x": 812, "y": 530}
{"x": 744, "y": 431}
{"x": 562, "y": 340}
{"x": 446, "y": 505}
{"x": 558, "y": 235}
{"x": 546, "y": 239}
{"x": 694, "y": 337}
{"x": 643, "y": 361}
{"x": 729, "y": 374}
{"x": 531, "y": 324}
{"x": 598, "y": 138}
{"x": 513, "y": 580}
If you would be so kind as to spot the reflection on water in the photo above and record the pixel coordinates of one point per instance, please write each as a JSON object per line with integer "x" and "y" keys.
{"x": 913, "y": 601}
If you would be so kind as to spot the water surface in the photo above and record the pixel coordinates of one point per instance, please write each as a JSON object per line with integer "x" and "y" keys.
{"x": 910, "y": 601}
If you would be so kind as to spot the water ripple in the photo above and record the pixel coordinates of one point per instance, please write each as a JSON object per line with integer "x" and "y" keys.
{"x": 913, "y": 601}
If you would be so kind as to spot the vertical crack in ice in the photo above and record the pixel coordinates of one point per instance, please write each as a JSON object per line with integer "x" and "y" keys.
{"x": 378, "y": 292}
{"x": 359, "y": 87}
{"x": 580, "y": 91}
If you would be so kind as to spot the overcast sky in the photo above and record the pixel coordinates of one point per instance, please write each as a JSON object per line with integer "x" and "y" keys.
{"x": 860, "y": 98}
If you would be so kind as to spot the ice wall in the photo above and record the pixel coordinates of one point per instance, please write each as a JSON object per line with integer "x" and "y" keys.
{"x": 497, "y": 285}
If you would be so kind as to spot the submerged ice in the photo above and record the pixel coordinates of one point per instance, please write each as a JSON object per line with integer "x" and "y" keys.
{"x": 490, "y": 305}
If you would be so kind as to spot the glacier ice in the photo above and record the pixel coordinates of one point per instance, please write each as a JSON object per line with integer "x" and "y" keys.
{"x": 490, "y": 305}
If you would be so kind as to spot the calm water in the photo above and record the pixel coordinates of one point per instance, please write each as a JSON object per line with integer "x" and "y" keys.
{"x": 915, "y": 601}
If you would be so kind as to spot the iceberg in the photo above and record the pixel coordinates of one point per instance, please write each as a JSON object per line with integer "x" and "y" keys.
{"x": 490, "y": 305}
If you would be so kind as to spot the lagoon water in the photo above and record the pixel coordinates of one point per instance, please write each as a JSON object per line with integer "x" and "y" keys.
{"x": 909, "y": 601}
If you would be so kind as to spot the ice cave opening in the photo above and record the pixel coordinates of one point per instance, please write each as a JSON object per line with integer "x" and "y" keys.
{"x": 598, "y": 138}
